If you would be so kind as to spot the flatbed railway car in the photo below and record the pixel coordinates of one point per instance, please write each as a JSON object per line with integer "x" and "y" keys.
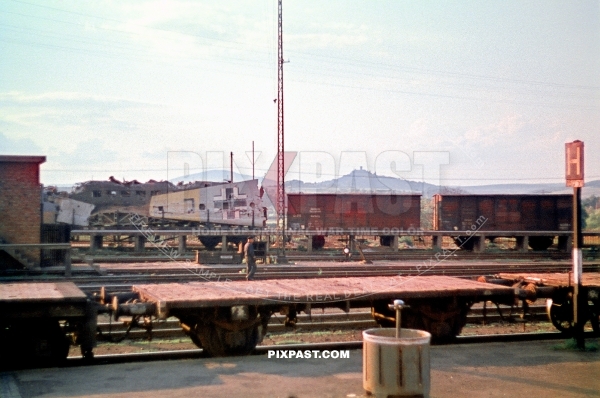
{"x": 504, "y": 213}
{"x": 351, "y": 211}
{"x": 231, "y": 318}
{"x": 226, "y": 318}
{"x": 35, "y": 319}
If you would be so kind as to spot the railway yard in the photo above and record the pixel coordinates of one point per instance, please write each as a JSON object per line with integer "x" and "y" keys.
{"x": 413, "y": 235}
{"x": 330, "y": 318}
{"x": 137, "y": 289}
{"x": 509, "y": 349}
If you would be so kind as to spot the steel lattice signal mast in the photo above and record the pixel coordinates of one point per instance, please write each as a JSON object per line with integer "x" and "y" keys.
{"x": 280, "y": 147}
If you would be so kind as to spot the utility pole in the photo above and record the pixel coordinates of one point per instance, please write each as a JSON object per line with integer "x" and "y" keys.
{"x": 280, "y": 136}
{"x": 575, "y": 179}
{"x": 231, "y": 166}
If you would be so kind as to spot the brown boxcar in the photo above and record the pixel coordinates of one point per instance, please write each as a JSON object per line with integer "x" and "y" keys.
{"x": 383, "y": 213}
{"x": 504, "y": 213}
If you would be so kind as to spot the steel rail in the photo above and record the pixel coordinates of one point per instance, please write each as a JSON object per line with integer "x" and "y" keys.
{"x": 187, "y": 273}
{"x": 341, "y": 321}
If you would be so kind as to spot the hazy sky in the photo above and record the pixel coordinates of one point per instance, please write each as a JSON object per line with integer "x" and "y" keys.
{"x": 489, "y": 91}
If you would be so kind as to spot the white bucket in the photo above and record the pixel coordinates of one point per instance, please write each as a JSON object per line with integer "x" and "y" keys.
{"x": 396, "y": 366}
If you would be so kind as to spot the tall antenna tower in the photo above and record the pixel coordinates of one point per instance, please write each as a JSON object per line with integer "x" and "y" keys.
{"x": 280, "y": 136}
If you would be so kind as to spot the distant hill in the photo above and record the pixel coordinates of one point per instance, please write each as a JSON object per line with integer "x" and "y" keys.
{"x": 361, "y": 181}
{"x": 591, "y": 188}
{"x": 365, "y": 181}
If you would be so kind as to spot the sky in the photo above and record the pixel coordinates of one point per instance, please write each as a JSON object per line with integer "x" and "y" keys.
{"x": 448, "y": 92}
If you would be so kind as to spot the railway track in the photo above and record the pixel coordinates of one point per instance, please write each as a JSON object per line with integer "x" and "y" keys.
{"x": 121, "y": 277}
{"x": 338, "y": 256}
{"x": 171, "y": 328}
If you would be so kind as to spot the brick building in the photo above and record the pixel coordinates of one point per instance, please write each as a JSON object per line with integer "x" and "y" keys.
{"x": 20, "y": 207}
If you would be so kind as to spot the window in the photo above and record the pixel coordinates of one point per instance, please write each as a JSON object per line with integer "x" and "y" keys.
{"x": 126, "y": 193}
{"x": 140, "y": 193}
{"x": 188, "y": 205}
{"x": 202, "y": 206}
{"x": 111, "y": 193}
{"x": 96, "y": 194}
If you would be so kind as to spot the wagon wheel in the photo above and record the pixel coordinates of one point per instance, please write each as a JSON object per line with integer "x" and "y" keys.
{"x": 318, "y": 242}
{"x": 195, "y": 338}
{"x": 41, "y": 341}
{"x": 465, "y": 242}
{"x": 210, "y": 242}
{"x": 386, "y": 240}
{"x": 539, "y": 243}
{"x": 443, "y": 320}
{"x": 222, "y": 338}
{"x": 561, "y": 315}
{"x": 220, "y": 342}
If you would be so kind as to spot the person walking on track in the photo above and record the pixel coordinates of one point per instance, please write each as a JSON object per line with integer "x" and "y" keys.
{"x": 250, "y": 259}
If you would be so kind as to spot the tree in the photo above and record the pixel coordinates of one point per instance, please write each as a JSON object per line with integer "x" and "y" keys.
{"x": 592, "y": 202}
{"x": 593, "y": 221}
{"x": 590, "y": 211}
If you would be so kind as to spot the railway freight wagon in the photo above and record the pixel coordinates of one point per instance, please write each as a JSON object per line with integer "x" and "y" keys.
{"x": 359, "y": 214}
{"x": 39, "y": 321}
{"x": 521, "y": 213}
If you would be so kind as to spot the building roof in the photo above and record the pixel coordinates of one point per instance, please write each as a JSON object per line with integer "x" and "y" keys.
{"x": 22, "y": 159}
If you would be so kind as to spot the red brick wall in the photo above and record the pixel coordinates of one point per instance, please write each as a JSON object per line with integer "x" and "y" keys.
{"x": 20, "y": 216}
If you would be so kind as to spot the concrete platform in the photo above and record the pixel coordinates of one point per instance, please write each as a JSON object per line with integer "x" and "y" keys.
{"x": 526, "y": 369}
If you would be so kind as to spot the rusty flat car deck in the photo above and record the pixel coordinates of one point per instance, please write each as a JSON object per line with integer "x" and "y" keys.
{"x": 27, "y": 300}
{"x": 314, "y": 291}
{"x": 591, "y": 280}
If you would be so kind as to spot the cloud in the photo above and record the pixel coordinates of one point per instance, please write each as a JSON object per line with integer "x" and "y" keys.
{"x": 191, "y": 30}
{"x": 512, "y": 128}
{"x": 88, "y": 153}
{"x": 18, "y": 146}
{"x": 63, "y": 119}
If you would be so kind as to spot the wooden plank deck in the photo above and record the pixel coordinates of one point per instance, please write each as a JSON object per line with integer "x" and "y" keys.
{"x": 554, "y": 279}
{"x": 41, "y": 300}
{"x": 40, "y": 292}
{"x": 314, "y": 291}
